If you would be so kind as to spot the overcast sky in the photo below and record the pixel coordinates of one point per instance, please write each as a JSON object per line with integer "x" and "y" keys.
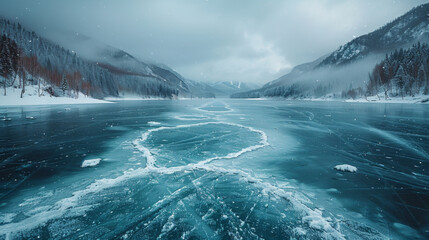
{"x": 208, "y": 40}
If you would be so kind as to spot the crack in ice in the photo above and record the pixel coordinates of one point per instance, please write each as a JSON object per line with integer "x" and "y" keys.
{"x": 65, "y": 206}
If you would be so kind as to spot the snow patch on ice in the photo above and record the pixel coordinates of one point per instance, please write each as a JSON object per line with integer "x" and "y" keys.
{"x": 36, "y": 199}
{"x": 7, "y": 217}
{"x": 345, "y": 168}
{"x": 316, "y": 221}
{"x": 153, "y": 123}
{"x": 191, "y": 117}
{"x": 300, "y": 231}
{"x": 91, "y": 162}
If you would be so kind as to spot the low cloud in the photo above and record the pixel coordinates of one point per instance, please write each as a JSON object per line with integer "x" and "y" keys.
{"x": 257, "y": 59}
{"x": 220, "y": 40}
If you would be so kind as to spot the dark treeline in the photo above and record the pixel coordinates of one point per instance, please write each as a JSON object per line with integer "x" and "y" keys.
{"x": 9, "y": 57}
{"x": 18, "y": 70}
{"x": 402, "y": 73}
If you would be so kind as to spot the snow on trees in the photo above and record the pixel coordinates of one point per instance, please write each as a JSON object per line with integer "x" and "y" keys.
{"x": 45, "y": 63}
{"x": 8, "y": 61}
{"x": 403, "y": 72}
{"x": 400, "y": 79}
{"x": 64, "y": 84}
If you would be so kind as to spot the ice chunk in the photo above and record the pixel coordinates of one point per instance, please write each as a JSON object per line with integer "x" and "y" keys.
{"x": 91, "y": 162}
{"x": 300, "y": 231}
{"x": 345, "y": 168}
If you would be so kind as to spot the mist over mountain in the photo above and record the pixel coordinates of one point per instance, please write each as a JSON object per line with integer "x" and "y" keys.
{"x": 120, "y": 119}
{"x": 105, "y": 70}
{"x": 118, "y": 72}
{"x": 348, "y": 67}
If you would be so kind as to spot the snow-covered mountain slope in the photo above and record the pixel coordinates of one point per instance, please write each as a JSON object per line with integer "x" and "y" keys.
{"x": 349, "y": 65}
{"x": 227, "y": 88}
{"x": 107, "y": 70}
{"x": 99, "y": 52}
{"x": 121, "y": 62}
{"x": 294, "y": 73}
{"x": 200, "y": 90}
{"x": 403, "y": 31}
{"x": 118, "y": 61}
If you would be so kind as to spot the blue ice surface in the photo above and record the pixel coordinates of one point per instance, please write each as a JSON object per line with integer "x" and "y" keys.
{"x": 220, "y": 169}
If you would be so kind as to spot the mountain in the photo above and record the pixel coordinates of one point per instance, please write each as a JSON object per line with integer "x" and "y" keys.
{"x": 348, "y": 67}
{"x": 103, "y": 70}
{"x": 200, "y": 89}
{"x": 402, "y": 32}
{"x": 402, "y": 73}
{"x": 295, "y": 73}
{"x": 118, "y": 61}
{"x": 227, "y": 88}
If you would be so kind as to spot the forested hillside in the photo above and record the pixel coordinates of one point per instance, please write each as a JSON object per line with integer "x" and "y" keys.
{"x": 344, "y": 72}
{"x": 403, "y": 72}
{"x": 54, "y": 68}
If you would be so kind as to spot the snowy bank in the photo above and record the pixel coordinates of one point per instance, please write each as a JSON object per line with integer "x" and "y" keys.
{"x": 91, "y": 162}
{"x": 132, "y": 97}
{"x": 345, "y": 168}
{"x": 371, "y": 99}
{"x": 381, "y": 99}
{"x": 13, "y": 98}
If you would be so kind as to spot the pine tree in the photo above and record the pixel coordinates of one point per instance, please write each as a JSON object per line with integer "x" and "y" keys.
{"x": 64, "y": 83}
{"x": 5, "y": 65}
{"x": 407, "y": 70}
{"x": 421, "y": 77}
{"x": 400, "y": 79}
{"x": 8, "y": 60}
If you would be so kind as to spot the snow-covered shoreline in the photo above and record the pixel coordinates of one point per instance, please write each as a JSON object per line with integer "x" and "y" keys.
{"x": 421, "y": 99}
{"x": 133, "y": 98}
{"x": 407, "y": 99}
{"x": 13, "y": 98}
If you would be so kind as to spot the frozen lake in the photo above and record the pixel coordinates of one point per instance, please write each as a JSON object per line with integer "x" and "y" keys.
{"x": 215, "y": 169}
